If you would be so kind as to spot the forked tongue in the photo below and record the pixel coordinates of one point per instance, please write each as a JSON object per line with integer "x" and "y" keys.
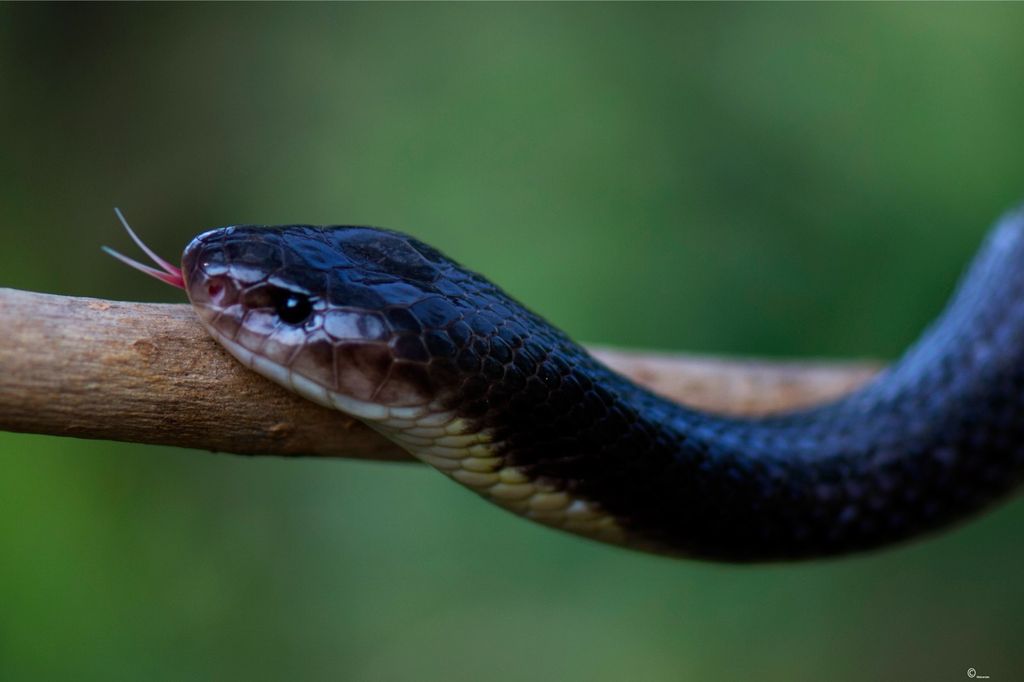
{"x": 168, "y": 274}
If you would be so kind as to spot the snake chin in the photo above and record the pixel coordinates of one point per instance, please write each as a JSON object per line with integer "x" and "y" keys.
{"x": 371, "y": 412}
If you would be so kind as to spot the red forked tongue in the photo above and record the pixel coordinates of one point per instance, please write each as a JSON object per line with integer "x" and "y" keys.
{"x": 170, "y": 275}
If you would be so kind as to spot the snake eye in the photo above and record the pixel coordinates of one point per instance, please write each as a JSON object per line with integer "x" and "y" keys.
{"x": 293, "y": 308}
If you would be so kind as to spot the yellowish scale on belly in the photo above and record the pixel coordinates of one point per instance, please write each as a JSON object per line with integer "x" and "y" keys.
{"x": 470, "y": 458}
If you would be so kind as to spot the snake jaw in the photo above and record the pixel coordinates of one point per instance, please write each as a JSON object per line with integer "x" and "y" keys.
{"x": 168, "y": 274}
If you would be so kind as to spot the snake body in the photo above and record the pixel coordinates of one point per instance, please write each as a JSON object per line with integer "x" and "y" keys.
{"x": 443, "y": 362}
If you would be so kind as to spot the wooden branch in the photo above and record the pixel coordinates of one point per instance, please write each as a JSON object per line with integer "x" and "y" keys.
{"x": 148, "y": 373}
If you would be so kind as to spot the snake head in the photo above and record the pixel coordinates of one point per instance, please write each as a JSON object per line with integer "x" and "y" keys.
{"x": 346, "y": 316}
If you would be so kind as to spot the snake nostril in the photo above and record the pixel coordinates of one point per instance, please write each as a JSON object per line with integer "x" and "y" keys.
{"x": 215, "y": 290}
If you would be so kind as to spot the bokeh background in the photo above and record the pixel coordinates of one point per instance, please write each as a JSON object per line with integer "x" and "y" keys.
{"x": 782, "y": 180}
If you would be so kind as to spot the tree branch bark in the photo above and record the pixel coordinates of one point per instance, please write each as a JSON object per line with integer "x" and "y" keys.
{"x": 148, "y": 373}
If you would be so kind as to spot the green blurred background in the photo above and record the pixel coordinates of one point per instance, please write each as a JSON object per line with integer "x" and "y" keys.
{"x": 748, "y": 179}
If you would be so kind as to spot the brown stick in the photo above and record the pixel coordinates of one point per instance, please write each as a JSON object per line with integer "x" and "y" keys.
{"x": 148, "y": 373}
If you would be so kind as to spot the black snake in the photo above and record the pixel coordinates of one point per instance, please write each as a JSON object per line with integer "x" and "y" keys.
{"x": 441, "y": 361}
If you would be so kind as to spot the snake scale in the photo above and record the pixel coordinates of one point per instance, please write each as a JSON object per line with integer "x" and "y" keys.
{"x": 445, "y": 364}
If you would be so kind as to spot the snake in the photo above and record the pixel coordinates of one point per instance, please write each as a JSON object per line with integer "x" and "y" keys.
{"x": 441, "y": 361}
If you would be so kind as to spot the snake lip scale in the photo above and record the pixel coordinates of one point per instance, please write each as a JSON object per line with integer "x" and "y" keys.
{"x": 440, "y": 360}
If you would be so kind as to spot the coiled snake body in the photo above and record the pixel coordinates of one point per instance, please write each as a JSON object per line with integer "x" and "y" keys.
{"x": 440, "y": 360}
